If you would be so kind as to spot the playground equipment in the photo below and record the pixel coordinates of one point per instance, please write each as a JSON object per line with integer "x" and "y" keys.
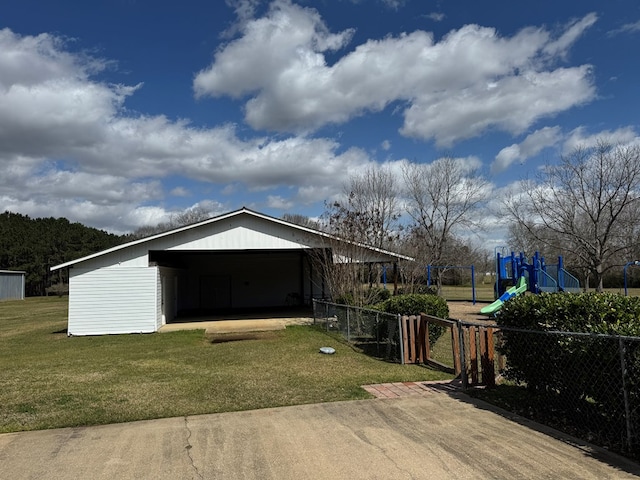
{"x": 516, "y": 274}
{"x": 624, "y": 270}
{"x": 520, "y": 287}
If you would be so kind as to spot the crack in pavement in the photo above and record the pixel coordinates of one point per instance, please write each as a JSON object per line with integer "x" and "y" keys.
{"x": 188, "y": 447}
{"x": 363, "y": 436}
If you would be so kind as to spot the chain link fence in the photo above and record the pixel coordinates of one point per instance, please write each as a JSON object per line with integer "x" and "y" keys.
{"x": 587, "y": 385}
{"x": 375, "y": 333}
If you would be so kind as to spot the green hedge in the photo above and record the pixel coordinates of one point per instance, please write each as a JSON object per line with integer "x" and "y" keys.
{"x": 579, "y": 376}
{"x": 607, "y": 313}
{"x": 415, "y": 304}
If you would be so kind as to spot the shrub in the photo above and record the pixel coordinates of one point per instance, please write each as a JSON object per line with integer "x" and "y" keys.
{"x": 607, "y": 313}
{"x": 372, "y": 295}
{"x": 572, "y": 373}
{"x": 415, "y": 304}
{"x": 378, "y": 294}
{"x": 420, "y": 289}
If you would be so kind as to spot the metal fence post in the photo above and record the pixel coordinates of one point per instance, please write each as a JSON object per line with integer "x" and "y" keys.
{"x": 326, "y": 315}
{"x": 348, "y": 326}
{"x": 313, "y": 302}
{"x": 623, "y": 372}
{"x": 377, "y": 333}
{"x": 401, "y": 339}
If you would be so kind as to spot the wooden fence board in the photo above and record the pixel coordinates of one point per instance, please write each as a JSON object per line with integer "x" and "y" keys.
{"x": 455, "y": 342}
{"x": 473, "y": 355}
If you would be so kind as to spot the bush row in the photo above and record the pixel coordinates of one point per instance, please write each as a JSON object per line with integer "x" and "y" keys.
{"x": 580, "y": 376}
{"x": 606, "y": 313}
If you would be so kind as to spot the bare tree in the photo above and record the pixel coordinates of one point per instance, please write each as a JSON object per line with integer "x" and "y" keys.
{"x": 367, "y": 215}
{"x": 588, "y": 204}
{"x": 178, "y": 219}
{"x": 373, "y": 196}
{"x": 301, "y": 220}
{"x": 442, "y": 198}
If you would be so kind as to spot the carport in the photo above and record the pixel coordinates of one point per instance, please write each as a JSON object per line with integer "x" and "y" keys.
{"x": 236, "y": 262}
{"x": 200, "y": 283}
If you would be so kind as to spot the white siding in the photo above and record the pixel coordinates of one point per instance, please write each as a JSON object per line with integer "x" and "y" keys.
{"x": 158, "y": 300}
{"x": 113, "y": 300}
{"x": 135, "y": 256}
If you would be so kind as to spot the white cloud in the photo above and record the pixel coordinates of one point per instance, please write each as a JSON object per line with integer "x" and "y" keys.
{"x": 574, "y": 30}
{"x": 472, "y": 80}
{"x": 626, "y": 28}
{"x": 511, "y": 104}
{"x": 578, "y": 138}
{"x": 436, "y": 16}
{"x": 69, "y": 147}
{"x": 394, "y": 4}
{"x": 179, "y": 192}
{"x": 530, "y": 146}
{"x": 276, "y": 201}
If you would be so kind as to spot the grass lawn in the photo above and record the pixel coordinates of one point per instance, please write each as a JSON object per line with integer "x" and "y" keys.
{"x": 484, "y": 292}
{"x": 50, "y": 380}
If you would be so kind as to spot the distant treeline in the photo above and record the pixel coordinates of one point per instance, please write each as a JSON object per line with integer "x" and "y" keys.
{"x": 33, "y": 245}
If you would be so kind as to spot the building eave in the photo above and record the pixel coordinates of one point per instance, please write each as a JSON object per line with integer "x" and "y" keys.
{"x": 220, "y": 218}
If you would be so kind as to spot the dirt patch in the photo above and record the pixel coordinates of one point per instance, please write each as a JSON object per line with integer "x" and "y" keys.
{"x": 467, "y": 311}
{"x": 238, "y": 337}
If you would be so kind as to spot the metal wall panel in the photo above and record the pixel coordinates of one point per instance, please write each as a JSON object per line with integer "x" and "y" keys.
{"x": 11, "y": 285}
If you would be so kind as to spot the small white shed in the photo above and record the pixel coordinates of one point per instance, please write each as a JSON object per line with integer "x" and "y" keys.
{"x": 12, "y": 285}
{"x": 236, "y": 261}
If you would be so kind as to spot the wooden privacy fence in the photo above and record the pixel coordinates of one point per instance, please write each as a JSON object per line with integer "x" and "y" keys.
{"x": 481, "y": 360}
{"x": 472, "y": 346}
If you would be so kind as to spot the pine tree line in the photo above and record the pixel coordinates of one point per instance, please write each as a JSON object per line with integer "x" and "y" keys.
{"x": 33, "y": 245}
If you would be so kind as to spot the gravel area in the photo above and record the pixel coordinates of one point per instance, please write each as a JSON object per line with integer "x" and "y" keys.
{"x": 467, "y": 311}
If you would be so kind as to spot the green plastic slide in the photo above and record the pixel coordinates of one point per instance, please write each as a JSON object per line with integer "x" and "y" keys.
{"x": 520, "y": 287}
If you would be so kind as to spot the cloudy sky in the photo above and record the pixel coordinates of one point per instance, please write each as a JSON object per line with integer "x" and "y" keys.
{"x": 118, "y": 113}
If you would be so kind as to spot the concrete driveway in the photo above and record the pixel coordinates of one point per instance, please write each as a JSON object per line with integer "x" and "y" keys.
{"x": 439, "y": 436}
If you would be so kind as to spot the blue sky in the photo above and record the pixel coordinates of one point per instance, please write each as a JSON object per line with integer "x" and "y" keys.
{"x": 117, "y": 114}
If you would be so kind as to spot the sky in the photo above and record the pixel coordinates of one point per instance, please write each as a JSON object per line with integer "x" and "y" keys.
{"x": 118, "y": 114}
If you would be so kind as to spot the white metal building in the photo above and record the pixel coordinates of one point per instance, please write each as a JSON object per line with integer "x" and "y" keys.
{"x": 12, "y": 285}
{"x": 239, "y": 260}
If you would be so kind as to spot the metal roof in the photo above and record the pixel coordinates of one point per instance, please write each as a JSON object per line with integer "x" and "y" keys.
{"x": 242, "y": 211}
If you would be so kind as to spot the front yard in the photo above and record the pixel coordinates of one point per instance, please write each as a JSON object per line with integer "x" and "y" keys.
{"x": 50, "y": 380}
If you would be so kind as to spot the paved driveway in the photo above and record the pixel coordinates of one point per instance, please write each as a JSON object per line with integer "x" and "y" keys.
{"x": 437, "y": 436}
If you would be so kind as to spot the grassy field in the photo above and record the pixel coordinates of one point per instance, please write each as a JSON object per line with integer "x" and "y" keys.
{"x": 50, "y": 380}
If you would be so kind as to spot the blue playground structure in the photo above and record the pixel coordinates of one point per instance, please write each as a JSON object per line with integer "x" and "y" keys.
{"x": 534, "y": 275}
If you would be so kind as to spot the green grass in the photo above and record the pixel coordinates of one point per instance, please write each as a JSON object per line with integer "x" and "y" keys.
{"x": 484, "y": 292}
{"x": 442, "y": 350}
{"x": 50, "y": 380}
